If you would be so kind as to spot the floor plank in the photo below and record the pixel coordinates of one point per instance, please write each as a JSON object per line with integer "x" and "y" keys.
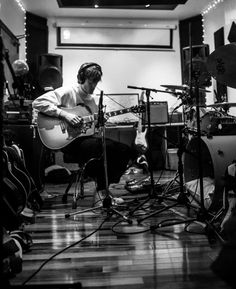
{"x": 119, "y": 255}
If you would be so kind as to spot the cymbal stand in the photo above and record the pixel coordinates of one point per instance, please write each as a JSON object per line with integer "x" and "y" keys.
{"x": 107, "y": 201}
{"x": 202, "y": 215}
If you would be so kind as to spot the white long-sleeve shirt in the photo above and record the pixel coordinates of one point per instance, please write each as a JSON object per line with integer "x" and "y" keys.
{"x": 69, "y": 97}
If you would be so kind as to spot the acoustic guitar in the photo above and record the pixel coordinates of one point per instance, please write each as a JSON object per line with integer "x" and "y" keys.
{"x": 14, "y": 193}
{"x": 56, "y": 133}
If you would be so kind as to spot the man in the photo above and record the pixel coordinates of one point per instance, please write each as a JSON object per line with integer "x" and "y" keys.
{"x": 85, "y": 147}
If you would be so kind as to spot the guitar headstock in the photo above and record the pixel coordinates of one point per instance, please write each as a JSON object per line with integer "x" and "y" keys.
{"x": 138, "y": 108}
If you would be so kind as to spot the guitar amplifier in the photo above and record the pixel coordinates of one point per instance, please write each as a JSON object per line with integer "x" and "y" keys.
{"x": 15, "y": 112}
{"x": 158, "y": 112}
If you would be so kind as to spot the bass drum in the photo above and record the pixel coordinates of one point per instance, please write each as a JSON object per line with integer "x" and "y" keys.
{"x": 217, "y": 153}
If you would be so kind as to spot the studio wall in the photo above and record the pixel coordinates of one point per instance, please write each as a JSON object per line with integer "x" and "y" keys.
{"x": 13, "y": 17}
{"x": 220, "y": 17}
{"x": 143, "y": 68}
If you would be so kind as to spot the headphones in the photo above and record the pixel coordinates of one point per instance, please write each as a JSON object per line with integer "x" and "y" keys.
{"x": 83, "y": 68}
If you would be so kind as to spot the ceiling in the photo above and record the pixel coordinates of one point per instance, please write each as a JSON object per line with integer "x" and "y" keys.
{"x": 158, "y": 9}
{"x": 122, "y": 4}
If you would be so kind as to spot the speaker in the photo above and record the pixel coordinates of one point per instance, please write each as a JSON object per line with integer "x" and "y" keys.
{"x": 221, "y": 89}
{"x": 50, "y": 71}
{"x": 158, "y": 112}
{"x": 232, "y": 33}
{"x": 197, "y": 55}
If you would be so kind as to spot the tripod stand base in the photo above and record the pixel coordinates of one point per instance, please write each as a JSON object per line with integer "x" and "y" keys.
{"x": 106, "y": 206}
{"x": 82, "y": 211}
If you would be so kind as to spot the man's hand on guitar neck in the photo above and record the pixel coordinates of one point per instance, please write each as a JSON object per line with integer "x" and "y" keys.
{"x": 71, "y": 118}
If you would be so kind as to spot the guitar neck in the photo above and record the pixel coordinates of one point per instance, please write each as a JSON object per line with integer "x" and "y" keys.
{"x": 118, "y": 112}
{"x": 91, "y": 118}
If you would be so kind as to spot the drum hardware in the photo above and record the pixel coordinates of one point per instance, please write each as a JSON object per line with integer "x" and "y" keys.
{"x": 221, "y": 64}
{"x": 153, "y": 190}
{"x": 161, "y": 195}
{"x": 189, "y": 93}
{"x": 223, "y": 105}
{"x": 202, "y": 215}
{"x": 184, "y": 87}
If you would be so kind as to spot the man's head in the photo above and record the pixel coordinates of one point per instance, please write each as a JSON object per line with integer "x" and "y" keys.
{"x": 89, "y": 75}
{"x": 89, "y": 70}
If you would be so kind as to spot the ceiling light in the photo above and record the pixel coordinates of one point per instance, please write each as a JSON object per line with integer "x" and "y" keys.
{"x": 147, "y": 5}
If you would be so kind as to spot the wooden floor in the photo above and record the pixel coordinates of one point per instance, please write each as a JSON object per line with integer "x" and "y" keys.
{"x": 103, "y": 251}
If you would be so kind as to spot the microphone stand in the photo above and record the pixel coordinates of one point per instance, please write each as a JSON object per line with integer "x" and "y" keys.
{"x": 152, "y": 189}
{"x": 150, "y": 164}
{"x": 107, "y": 201}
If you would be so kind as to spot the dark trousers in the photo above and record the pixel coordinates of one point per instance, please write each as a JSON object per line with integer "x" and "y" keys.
{"x": 84, "y": 149}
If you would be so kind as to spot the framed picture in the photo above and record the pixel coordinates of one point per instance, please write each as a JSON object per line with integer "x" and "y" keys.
{"x": 115, "y": 38}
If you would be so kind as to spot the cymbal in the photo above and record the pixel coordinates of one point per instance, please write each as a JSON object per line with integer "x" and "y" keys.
{"x": 182, "y": 87}
{"x": 223, "y": 104}
{"x": 221, "y": 64}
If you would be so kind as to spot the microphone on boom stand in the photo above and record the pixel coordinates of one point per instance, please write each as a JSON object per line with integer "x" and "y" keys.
{"x": 100, "y": 111}
{"x": 107, "y": 202}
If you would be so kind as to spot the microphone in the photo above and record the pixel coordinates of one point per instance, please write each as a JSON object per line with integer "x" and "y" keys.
{"x": 100, "y": 111}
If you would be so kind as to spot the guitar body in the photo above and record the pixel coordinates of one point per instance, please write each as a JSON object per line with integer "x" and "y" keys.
{"x": 141, "y": 141}
{"x": 56, "y": 133}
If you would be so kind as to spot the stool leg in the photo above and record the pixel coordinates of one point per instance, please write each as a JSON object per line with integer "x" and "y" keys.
{"x": 73, "y": 178}
{"x": 80, "y": 180}
{"x": 80, "y": 192}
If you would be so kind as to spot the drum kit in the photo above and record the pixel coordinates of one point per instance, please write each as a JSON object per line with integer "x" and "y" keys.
{"x": 217, "y": 151}
{"x": 207, "y": 153}
{"x": 221, "y": 64}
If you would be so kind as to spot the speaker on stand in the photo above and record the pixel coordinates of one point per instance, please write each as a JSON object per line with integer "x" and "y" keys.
{"x": 50, "y": 71}
{"x": 199, "y": 58}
